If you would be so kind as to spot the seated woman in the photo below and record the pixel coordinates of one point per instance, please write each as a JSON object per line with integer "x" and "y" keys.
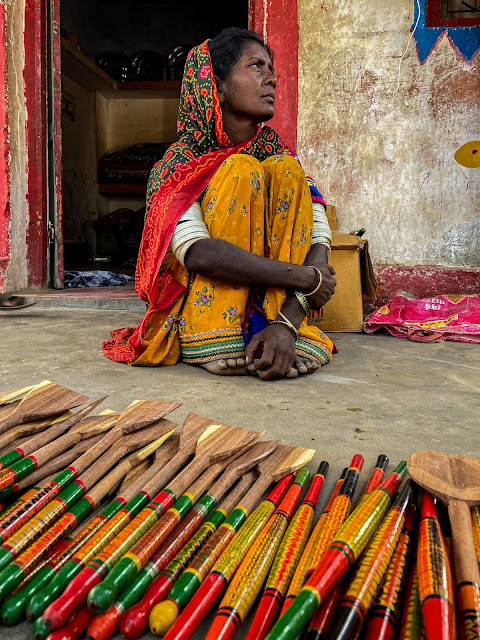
{"x": 234, "y": 252}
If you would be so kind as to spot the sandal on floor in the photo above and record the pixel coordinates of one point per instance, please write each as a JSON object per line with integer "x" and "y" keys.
{"x": 11, "y": 303}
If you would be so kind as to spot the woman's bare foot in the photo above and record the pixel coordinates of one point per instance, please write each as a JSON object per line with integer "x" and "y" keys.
{"x": 229, "y": 367}
{"x": 301, "y": 366}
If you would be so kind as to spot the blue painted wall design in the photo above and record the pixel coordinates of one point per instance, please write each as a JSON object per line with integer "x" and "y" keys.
{"x": 465, "y": 39}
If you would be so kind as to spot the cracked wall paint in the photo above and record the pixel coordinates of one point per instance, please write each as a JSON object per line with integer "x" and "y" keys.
{"x": 387, "y": 166}
{"x": 16, "y": 274}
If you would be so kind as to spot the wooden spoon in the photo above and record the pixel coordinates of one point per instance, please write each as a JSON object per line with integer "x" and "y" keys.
{"x": 455, "y": 480}
{"x": 46, "y": 399}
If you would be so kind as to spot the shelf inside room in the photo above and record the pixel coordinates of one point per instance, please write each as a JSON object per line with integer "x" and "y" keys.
{"x": 80, "y": 69}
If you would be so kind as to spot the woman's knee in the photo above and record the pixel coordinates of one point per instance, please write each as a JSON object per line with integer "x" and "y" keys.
{"x": 284, "y": 165}
{"x": 240, "y": 171}
{"x": 244, "y": 161}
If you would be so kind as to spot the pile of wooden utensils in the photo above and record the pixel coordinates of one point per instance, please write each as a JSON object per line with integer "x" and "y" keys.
{"x": 118, "y": 521}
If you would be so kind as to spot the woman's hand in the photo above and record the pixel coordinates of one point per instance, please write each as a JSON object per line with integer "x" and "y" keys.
{"x": 278, "y": 351}
{"x": 327, "y": 288}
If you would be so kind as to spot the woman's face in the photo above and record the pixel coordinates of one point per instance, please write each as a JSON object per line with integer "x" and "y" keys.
{"x": 249, "y": 90}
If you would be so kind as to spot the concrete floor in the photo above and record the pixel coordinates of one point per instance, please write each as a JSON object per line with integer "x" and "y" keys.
{"x": 379, "y": 395}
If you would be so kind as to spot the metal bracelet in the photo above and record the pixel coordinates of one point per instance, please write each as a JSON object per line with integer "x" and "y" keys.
{"x": 320, "y": 278}
{"x": 302, "y": 299}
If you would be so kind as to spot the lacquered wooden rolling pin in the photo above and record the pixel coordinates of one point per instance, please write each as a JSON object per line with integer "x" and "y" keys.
{"x": 72, "y": 579}
{"x": 24, "y": 563}
{"x": 104, "y": 625}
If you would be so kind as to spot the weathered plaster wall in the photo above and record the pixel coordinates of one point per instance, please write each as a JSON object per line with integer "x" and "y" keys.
{"x": 383, "y": 152}
{"x": 16, "y": 274}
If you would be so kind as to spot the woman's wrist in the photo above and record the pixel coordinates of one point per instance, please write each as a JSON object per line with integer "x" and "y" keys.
{"x": 310, "y": 280}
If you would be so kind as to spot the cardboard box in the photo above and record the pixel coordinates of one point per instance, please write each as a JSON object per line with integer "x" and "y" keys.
{"x": 354, "y": 275}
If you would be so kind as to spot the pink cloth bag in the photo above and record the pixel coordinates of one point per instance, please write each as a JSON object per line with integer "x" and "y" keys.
{"x": 448, "y": 317}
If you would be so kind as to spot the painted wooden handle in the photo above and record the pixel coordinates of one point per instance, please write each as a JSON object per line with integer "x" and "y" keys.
{"x": 10, "y": 420}
{"x": 110, "y": 480}
{"x": 466, "y": 565}
{"x": 102, "y": 465}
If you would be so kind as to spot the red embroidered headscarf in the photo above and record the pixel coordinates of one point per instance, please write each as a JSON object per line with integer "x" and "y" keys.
{"x": 175, "y": 183}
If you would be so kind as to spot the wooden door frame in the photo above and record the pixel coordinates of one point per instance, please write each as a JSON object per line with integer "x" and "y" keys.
{"x": 275, "y": 20}
{"x": 36, "y": 140}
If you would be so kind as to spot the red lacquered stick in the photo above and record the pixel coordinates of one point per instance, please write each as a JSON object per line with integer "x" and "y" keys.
{"x": 245, "y": 585}
{"x": 323, "y": 617}
{"x": 360, "y": 593}
{"x": 75, "y": 628}
{"x": 434, "y": 575}
{"x": 298, "y": 579}
{"x": 385, "y": 614}
{"x": 343, "y": 552}
{"x": 103, "y": 625}
{"x": 376, "y": 477}
{"x": 286, "y": 560}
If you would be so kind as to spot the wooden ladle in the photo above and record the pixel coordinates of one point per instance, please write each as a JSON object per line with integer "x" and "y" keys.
{"x": 455, "y": 480}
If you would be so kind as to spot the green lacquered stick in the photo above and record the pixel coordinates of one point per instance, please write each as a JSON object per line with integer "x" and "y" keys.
{"x": 43, "y": 595}
{"x": 9, "y": 458}
{"x": 13, "y": 574}
{"x": 12, "y": 608}
{"x": 39, "y": 630}
{"x": 103, "y": 595}
{"x": 12, "y": 521}
{"x": 172, "y": 545}
{"x": 34, "y": 527}
{"x": 14, "y": 473}
{"x": 88, "y": 551}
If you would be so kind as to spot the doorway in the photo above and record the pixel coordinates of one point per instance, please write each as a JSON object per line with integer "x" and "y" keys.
{"x": 121, "y": 67}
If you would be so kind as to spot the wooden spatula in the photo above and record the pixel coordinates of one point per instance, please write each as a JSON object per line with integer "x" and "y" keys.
{"x": 46, "y": 399}
{"x": 60, "y": 462}
{"x": 455, "y": 480}
{"x": 29, "y": 429}
{"x": 215, "y": 444}
{"x": 14, "y": 394}
{"x": 160, "y": 473}
{"x": 57, "y": 428}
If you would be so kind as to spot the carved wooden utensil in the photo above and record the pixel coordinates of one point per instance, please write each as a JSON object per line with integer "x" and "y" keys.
{"x": 14, "y": 394}
{"x": 60, "y": 462}
{"x": 455, "y": 480}
{"x": 12, "y": 437}
{"x": 160, "y": 473}
{"x": 33, "y": 455}
{"x": 95, "y": 426}
{"x": 57, "y": 428}
{"x": 25, "y": 563}
{"x": 136, "y": 416}
{"x": 46, "y": 399}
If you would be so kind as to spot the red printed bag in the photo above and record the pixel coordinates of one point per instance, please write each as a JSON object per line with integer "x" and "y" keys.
{"x": 447, "y": 317}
